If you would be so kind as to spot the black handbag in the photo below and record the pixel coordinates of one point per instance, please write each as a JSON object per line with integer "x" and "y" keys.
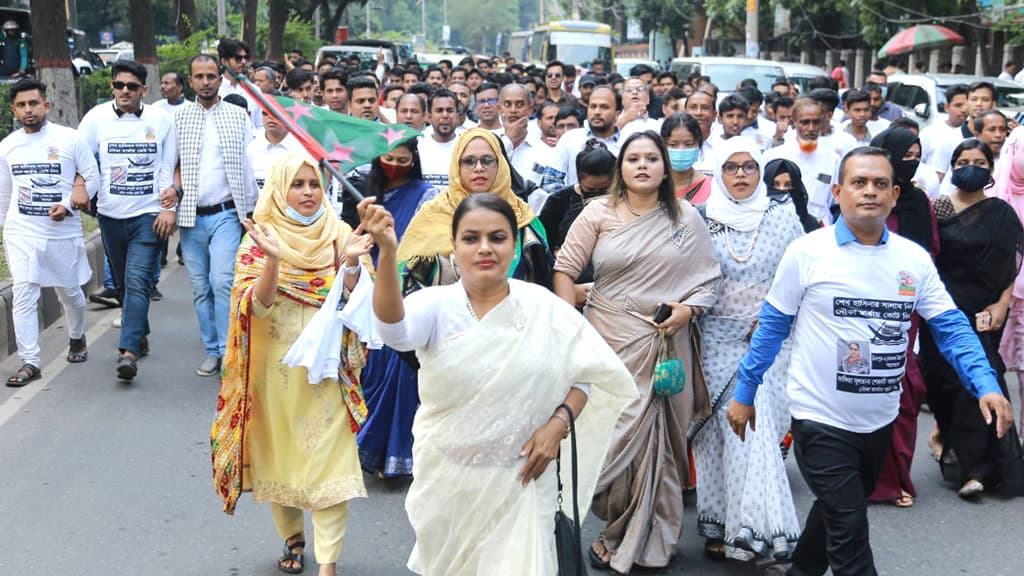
{"x": 568, "y": 541}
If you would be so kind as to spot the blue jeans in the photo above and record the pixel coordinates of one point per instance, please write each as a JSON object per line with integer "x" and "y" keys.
{"x": 108, "y": 277}
{"x": 132, "y": 249}
{"x": 209, "y": 250}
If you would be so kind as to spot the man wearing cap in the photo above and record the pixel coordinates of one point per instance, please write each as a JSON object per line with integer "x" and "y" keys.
{"x": 15, "y": 51}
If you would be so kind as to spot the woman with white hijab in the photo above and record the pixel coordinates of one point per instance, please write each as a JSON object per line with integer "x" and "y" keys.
{"x": 744, "y": 505}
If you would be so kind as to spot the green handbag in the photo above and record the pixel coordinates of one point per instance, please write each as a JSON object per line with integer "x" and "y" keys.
{"x": 669, "y": 375}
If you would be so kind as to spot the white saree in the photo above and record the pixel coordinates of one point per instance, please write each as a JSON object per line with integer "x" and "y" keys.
{"x": 485, "y": 386}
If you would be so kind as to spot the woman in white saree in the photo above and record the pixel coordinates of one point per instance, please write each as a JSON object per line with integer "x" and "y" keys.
{"x": 501, "y": 361}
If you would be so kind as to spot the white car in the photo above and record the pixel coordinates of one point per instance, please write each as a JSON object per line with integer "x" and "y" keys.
{"x": 922, "y": 97}
{"x": 802, "y": 74}
{"x": 623, "y": 65}
{"x": 726, "y": 73}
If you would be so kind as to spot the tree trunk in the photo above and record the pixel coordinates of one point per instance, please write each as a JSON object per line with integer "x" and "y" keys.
{"x": 698, "y": 24}
{"x": 186, "y": 23}
{"x": 140, "y": 15}
{"x": 250, "y": 13}
{"x": 278, "y": 16}
{"x": 52, "y": 60}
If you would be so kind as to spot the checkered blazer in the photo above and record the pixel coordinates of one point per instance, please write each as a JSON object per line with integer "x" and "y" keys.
{"x": 233, "y": 133}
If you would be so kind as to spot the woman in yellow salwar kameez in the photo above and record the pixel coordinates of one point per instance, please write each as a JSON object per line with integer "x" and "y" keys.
{"x": 290, "y": 442}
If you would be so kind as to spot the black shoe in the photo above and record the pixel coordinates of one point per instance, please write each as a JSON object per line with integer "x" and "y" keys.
{"x": 126, "y": 368}
{"x": 155, "y": 294}
{"x": 105, "y": 297}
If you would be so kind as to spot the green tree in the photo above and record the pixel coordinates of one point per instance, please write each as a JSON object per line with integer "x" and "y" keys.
{"x": 476, "y": 24}
{"x": 673, "y": 16}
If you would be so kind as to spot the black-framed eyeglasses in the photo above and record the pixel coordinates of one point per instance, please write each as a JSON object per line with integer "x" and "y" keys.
{"x": 132, "y": 86}
{"x": 488, "y": 102}
{"x": 469, "y": 162}
{"x": 749, "y": 167}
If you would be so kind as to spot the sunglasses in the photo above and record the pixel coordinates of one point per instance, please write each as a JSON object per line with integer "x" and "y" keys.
{"x": 132, "y": 86}
{"x": 468, "y": 162}
{"x": 240, "y": 57}
{"x": 749, "y": 167}
{"x": 488, "y": 102}
{"x": 555, "y": 75}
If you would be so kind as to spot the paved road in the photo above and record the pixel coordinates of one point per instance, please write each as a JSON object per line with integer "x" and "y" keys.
{"x": 102, "y": 478}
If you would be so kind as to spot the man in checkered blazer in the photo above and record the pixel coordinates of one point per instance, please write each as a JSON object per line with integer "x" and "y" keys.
{"x": 218, "y": 191}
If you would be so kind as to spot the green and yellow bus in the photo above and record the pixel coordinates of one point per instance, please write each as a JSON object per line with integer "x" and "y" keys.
{"x": 576, "y": 42}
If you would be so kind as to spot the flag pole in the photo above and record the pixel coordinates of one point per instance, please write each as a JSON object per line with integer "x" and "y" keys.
{"x": 299, "y": 133}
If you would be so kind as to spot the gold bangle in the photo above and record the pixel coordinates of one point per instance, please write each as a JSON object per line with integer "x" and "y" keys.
{"x": 564, "y": 420}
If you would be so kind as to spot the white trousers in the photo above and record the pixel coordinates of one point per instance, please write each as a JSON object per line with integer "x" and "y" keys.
{"x": 25, "y": 311}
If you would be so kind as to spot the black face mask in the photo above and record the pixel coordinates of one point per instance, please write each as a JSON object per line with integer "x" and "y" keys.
{"x": 905, "y": 170}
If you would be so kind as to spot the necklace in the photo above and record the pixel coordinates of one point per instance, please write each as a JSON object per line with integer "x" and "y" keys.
{"x": 634, "y": 212}
{"x": 750, "y": 251}
{"x": 472, "y": 312}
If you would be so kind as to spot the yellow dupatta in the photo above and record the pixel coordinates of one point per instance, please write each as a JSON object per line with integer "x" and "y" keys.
{"x": 430, "y": 231}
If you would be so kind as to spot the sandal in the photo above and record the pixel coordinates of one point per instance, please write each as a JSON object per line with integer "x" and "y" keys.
{"x": 714, "y": 549}
{"x": 904, "y": 501}
{"x": 25, "y": 374}
{"x": 289, "y": 556}
{"x": 77, "y": 350}
{"x": 596, "y": 560}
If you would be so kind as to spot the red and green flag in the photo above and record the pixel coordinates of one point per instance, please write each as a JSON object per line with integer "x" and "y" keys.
{"x": 343, "y": 141}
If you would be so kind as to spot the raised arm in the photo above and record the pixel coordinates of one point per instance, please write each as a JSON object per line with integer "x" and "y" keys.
{"x": 387, "y": 293}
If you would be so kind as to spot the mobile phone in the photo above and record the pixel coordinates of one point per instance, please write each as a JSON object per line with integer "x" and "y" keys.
{"x": 662, "y": 313}
{"x": 1020, "y": 118}
{"x": 983, "y": 321}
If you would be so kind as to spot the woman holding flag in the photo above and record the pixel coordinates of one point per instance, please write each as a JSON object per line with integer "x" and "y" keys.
{"x": 288, "y": 440}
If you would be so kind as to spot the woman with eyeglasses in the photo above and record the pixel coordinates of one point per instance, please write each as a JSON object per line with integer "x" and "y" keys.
{"x": 389, "y": 383}
{"x": 744, "y": 503}
{"x": 654, "y": 273}
{"x": 478, "y": 165}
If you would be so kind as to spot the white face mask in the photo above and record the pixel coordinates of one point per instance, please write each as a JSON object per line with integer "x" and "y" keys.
{"x": 304, "y": 220}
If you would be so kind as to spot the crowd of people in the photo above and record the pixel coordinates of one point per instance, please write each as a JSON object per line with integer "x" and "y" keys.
{"x": 816, "y": 266}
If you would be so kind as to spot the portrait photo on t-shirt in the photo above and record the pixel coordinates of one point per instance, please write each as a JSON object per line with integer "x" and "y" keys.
{"x": 853, "y": 357}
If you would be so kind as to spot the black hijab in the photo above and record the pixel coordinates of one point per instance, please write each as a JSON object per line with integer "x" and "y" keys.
{"x": 798, "y": 193}
{"x": 913, "y": 209}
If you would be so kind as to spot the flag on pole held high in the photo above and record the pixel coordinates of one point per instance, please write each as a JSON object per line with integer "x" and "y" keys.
{"x": 344, "y": 141}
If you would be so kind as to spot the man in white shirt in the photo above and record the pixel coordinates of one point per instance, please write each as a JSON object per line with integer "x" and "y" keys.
{"x": 878, "y": 122}
{"x": 487, "y": 109}
{"x": 832, "y": 135}
{"x": 636, "y": 99}
{"x": 218, "y": 191}
{"x": 234, "y": 56}
{"x": 605, "y": 106}
{"x": 172, "y": 90}
{"x": 42, "y": 232}
{"x": 299, "y": 83}
{"x": 758, "y": 128}
{"x": 939, "y": 139}
{"x": 857, "y": 104}
{"x": 436, "y": 149}
{"x": 701, "y": 105}
{"x": 411, "y": 110}
{"x": 847, "y": 295}
{"x": 1009, "y": 69}
{"x": 817, "y": 163}
{"x": 363, "y": 95}
{"x": 270, "y": 145}
{"x": 265, "y": 78}
{"x": 525, "y": 154}
{"x": 137, "y": 151}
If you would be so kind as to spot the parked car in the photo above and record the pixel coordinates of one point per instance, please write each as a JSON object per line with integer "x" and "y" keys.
{"x": 366, "y": 50}
{"x": 119, "y": 51}
{"x": 726, "y": 73}
{"x": 802, "y": 74}
{"x": 922, "y": 97}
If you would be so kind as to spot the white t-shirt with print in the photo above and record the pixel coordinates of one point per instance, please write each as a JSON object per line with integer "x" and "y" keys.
{"x": 853, "y": 305}
{"x": 436, "y": 161}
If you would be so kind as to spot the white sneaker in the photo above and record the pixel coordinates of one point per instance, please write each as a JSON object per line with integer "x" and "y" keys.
{"x": 116, "y": 323}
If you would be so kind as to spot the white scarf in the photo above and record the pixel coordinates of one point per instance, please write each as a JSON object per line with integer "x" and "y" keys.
{"x": 741, "y": 215}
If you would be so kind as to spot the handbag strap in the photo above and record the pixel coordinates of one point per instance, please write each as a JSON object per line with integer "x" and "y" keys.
{"x": 575, "y": 488}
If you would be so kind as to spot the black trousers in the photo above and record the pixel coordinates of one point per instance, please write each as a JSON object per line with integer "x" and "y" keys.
{"x": 840, "y": 468}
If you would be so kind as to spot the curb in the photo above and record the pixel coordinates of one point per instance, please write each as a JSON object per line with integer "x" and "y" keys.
{"x": 49, "y": 307}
